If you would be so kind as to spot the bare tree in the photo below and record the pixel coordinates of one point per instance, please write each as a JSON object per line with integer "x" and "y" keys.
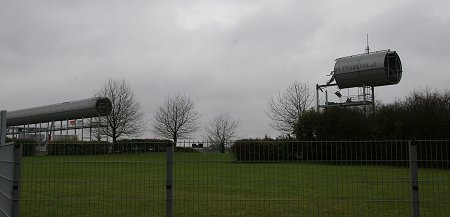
{"x": 286, "y": 109}
{"x": 176, "y": 118}
{"x": 126, "y": 118}
{"x": 96, "y": 127}
{"x": 221, "y": 130}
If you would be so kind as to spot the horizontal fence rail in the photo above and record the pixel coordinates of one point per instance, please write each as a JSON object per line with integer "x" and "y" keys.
{"x": 235, "y": 178}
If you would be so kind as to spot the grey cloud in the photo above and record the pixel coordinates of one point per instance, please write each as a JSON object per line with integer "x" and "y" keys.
{"x": 52, "y": 51}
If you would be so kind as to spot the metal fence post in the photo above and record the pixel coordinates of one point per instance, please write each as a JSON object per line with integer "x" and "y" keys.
{"x": 2, "y": 127}
{"x": 17, "y": 151}
{"x": 10, "y": 172}
{"x": 169, "y": 180}
{"x": 414, "y": 178}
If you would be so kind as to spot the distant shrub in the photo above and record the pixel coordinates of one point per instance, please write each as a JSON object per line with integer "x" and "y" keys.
{"x": 140, "y": 145}
{"x": 186, "y": 149}
{"x": 424, "y": 114}
{"x": 255, "y": 150}
{"x": 78, "y": 147}
{"x": 28, "y": 146}
{"x": 433, "y": 153}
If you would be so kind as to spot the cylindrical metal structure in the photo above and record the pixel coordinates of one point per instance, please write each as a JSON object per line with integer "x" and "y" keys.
{"x": 373, "y": 69}
{"x": 86, "y": 108}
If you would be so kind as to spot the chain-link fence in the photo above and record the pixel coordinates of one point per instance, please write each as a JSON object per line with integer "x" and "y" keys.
{"x": 248, "y": 178}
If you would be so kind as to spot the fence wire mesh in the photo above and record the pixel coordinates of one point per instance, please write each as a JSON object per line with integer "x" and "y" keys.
{"x": 247, "y": 178}
{"x": 434, "y": 177}
{"x": 95, "y": 179}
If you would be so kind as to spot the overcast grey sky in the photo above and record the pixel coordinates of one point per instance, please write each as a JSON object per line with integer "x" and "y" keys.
{"x": 230, "y": 56}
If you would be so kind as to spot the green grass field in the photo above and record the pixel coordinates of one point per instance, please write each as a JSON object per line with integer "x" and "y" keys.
{"x": 212, "y": 184}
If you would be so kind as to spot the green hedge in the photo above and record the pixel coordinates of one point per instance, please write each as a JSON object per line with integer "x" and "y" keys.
{"x": 186, "y": 149}
{"x": 140, "y": 145}
{"x": 100, "y": 147}
{"x": 28, "y": 145}
{"x": 433, "y": 153}
{"x": 78, "y": 147}
{"x": 147, "y": 145}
